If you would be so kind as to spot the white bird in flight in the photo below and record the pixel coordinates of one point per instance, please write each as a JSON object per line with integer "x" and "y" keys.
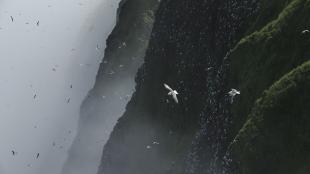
{"x": 305, "y": 31}
{"x": 172, "y": 92}
{"x": 233, "y": 93}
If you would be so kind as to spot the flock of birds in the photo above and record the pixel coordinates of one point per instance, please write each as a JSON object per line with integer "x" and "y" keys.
{"x": 232, "y": 93}
{"x": 173, "y": 93}
{"x": 37, "y": 23}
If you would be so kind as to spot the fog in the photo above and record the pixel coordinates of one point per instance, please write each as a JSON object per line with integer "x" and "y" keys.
{"x": 49, "y": 56}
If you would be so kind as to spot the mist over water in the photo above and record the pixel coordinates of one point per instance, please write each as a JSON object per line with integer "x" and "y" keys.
{"x": 49, "y": 46}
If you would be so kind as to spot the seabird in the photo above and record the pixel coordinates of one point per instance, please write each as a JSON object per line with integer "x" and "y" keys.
{"x": 156, "y": 143}
{"x": 12, "y": 19}
{"x": 38, "y": 154}
{"x": 232, "y": 93}
{"x": 305, "y": 31}
{"x": 35, "y": 96}
{"x": 68, "y": 101}
{"x": 172, "y": 92}
{"x": 38, "y": 23}
{"x": 111, "y": 72}
{"x": 71, "y": 86}
{"x": 13, "y": 152}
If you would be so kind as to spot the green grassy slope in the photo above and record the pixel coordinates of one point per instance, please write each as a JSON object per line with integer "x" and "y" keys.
{"x": 276, "y": 137}
{"x": 272, "y": 123}
{"x": 264, "y": 56}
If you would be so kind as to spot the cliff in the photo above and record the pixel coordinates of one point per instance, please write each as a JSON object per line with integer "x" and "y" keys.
{"x": 105, "y": 103}
{"x": 203, "y": 49}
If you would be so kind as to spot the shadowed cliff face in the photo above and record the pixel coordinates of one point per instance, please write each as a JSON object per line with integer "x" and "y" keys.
{"x": 188, "y": 44}
{"x": 271, "y": 117}
{"x": 114, "y": 84}
{"x": 203, "y": 49}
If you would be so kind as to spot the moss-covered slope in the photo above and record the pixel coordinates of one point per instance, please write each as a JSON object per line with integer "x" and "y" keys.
{"x": 276, "y": 137}
{"x": 264, "y": 56}
{"x": 273, "y": 136}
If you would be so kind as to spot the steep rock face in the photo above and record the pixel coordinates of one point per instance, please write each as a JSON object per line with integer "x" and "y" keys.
{"x": 188, "y": 44}
{"x": 265, "y": 55}
{"x": 276, "y": 137}
{"x": 114, "y": 85}
{"x": 203, "y": 49}
{"x": 272, "y": 138}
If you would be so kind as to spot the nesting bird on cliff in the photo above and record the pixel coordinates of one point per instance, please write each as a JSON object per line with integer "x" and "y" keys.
{"x": 232, "y": 93}
{"x": 172, "y": 92}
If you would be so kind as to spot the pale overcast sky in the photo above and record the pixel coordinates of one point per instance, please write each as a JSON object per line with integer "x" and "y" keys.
{"x": 39, "y": 61}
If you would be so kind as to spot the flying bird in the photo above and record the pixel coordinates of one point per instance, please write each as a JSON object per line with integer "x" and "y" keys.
{"x": 38, "y": 154}
{"x": 13, "y": 153}
{"x": 172, "y": 92}
{"x": 35, "y": 96}
{"x": 68, "y": 101}
{"x": 232, "y": 93}
{"x": 156, "y": 143}
{"x": 12, "y": 19}
{"x": 71, "y": 86}
{"x": 38, "y": 23}
{"x": 305, "y": 31}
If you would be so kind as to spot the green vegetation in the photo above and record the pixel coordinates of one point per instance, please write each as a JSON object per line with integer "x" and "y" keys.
{"x": 273, "y": 126}
{"x": 276, "y": 137}
{"x": 261, "y": 58}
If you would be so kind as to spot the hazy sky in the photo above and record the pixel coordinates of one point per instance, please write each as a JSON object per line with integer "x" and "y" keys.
{"x": 45, "y": 60}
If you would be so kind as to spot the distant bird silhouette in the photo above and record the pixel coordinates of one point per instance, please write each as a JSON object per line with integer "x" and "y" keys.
{"x": 232, "y": 93}
{"x": 35, "y": 96}
{"x": 13, "y": 153}
{"x": 12, "y": 19}
{"x": 38, "y": 154}
{"x": 68, "y": 101}
{"x": 111, "y": 73}
{"x": 173, "y": 93}
{"x": 38, "y": 23}
{"x": 71, "y": 86}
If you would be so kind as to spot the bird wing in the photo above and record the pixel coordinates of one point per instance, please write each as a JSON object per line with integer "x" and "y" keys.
{"x": 167, "y": 87}
{"x": 175, "y": 98}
